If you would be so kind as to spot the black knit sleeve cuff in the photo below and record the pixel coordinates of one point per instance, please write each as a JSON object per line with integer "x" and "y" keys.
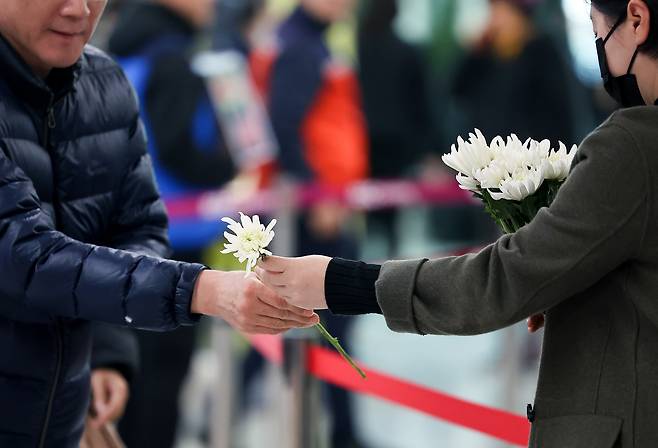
{"x": 349, "y": 287}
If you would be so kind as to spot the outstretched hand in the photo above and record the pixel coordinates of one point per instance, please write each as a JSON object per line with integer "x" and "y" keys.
{"x": 247, "y": 304}
{"x": 300, "y": 281}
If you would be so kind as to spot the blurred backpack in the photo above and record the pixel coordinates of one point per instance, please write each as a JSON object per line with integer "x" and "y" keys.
{"x": 189, "y": 233}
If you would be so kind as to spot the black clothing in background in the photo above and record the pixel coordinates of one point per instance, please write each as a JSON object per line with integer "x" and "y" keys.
{"x": 395, "y": 102}
{"x": 396, "y": 107}
{"x": 527, "y": 95}
{"x": 173, "y": 95}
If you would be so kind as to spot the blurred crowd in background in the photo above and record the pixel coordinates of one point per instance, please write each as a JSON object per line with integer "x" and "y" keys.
{"x": 238, "y": 94}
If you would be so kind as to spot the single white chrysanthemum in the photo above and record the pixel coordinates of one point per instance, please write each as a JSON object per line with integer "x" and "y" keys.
{"x": 468, "y": 183}
{"x": 492, "y": 175}
{"x": 519, "y": 185}
{"x": 249, "y": 239}
{"x": 469, "y": 156}
{"x": 558, "y": 163}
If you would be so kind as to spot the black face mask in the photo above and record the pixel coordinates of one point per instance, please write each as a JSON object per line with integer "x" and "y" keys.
{"x": 624, "y": 89}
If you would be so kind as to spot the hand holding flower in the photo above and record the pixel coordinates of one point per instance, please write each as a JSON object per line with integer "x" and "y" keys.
{"x": 298, "y": 280}
{"x": 246, "y": 304}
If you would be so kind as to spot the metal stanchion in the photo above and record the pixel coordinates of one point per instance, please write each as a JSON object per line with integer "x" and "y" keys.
{"x": 302, "y": 396}
{"x": 225, "y": 400}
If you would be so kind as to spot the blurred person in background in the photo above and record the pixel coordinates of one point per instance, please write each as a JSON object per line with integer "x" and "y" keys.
{"x": 315, "y": 108}
{"x": 395, "y": 102}
{"x": 235, "y": 24}
{"x": 514, "y": 79}
{"x": 155, "y": 43}
{"x": 83, "y": 231}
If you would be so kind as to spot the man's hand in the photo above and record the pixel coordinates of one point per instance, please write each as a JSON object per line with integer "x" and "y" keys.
{"x": 298, "y": 280}
{"x": 247, "y": 304}
{"x": 110, "y": 394}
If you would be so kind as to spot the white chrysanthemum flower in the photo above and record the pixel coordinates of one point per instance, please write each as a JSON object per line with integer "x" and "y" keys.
{"x": 492, "y": 175}
{"x": 557, "y": 164}
{"x": 513, "y": 154}
{"x": 519, "y": 185}
{"x": 249, "y": 239}
{"x": 507, "y": 167}
{"x": 469, "y": 156}
{"x": 468, "y": 183}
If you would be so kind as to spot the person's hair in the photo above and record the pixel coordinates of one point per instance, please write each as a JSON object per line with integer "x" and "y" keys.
{"x": 613, "y": 9}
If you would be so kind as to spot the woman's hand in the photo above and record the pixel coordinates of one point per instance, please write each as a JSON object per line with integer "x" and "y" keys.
{"x": 110, "y": 394}
{"x": 298, "y": 280}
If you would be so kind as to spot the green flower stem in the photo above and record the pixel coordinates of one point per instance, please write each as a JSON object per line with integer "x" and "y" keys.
{"x": 334, "y": 341}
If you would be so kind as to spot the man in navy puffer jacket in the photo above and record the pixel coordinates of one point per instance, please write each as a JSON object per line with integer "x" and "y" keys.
{"x": 82, "y": 228}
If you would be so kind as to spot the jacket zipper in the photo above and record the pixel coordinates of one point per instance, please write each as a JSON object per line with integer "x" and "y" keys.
{"x": 53, "y": 387}
{"x": 49, "y": 125}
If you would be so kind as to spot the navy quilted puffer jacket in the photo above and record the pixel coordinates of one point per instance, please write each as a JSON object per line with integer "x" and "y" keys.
{"x": 82, "y": 230}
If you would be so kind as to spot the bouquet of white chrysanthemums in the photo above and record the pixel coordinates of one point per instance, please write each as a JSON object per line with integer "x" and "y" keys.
{"x": 513, "y": 179}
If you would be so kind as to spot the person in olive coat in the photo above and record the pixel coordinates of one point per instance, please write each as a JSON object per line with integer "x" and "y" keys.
{"x": 589, "y": 262}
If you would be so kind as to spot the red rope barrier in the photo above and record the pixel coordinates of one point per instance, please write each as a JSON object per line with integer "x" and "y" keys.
{"x": 330, "y": 367}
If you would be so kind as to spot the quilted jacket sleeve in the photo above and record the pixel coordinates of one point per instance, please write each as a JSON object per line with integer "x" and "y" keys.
{"x": 48, "y": 271}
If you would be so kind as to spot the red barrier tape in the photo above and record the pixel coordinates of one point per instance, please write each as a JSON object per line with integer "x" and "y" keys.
{"x": 367, "y": 195}
{"x": 330, "y": 367}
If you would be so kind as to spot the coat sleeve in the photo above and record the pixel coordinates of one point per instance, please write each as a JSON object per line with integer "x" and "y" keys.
{"x": 48, "y": 271}
{"x": 595, "y": 224}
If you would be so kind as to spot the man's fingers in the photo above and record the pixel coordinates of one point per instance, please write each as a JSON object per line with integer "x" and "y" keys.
{"x": 273, "y": 299}
{"x": 110, "y": 394}
{"x": 117, "y": 401}
{"x": 270, "y": 311}
{"x": 101, "y": 398}
{"x": 282, "y": 324}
